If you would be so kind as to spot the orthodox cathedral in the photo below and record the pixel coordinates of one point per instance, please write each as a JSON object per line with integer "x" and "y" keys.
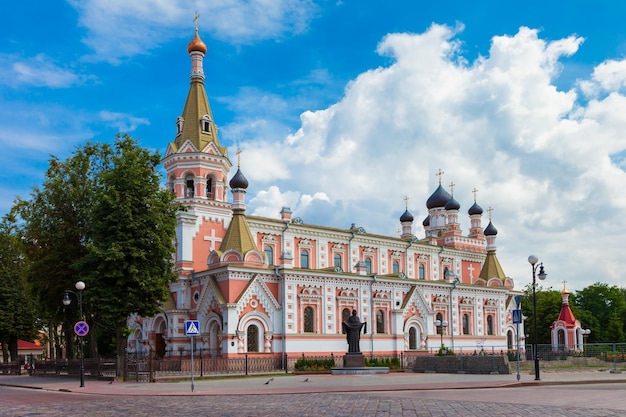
{"x": 275, "y": 286}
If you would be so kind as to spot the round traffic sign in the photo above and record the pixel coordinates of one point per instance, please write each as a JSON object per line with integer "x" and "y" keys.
{"x": 81, "y": 328}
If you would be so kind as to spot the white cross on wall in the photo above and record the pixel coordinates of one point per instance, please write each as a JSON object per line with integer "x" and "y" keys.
{"x": 213, "y": 239}
{"x": 471, "y": 271}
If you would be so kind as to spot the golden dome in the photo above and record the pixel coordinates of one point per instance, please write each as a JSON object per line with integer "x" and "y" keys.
{"x": 196, "y": 44}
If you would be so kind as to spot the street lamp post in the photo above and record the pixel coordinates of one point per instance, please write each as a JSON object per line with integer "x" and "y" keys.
{"x": 80, "y": 286}
{"x": 455, "y": 281}
{"x": 532, "y": 260}
{"x": 441, "y": 324}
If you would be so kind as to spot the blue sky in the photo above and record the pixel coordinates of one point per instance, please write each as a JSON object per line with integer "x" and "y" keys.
{"x": 343, "y": 108}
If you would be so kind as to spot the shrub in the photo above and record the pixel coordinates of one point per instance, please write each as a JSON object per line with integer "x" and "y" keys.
{"x": 314, "y": 365}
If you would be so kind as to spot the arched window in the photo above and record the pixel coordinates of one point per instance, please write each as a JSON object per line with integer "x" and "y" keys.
{"x": 209, "y": 188}
{"x": 205, "y": 123}
{"x": 179, "y": 125}
{"x": 337, "y": 261}
{"x": 269, "y": 253}
{"x": 309, "y": 325}
{"x": 466, "y": 324}
{"x": 490, "y": 325}
{"x": 380, "y": 321}
{"x": 446, "y": 271}
{"x": 252, "y": 337}
{"x": 412, "y": 338}
{"x": 422, "y": 271}
{"x": 368, "y": 266}
{"x": 189, "y": 192}
{"x": 509, "y": 340}
{"x": 345, "y": 314}
{"x": 304, "y": 258}
{"x": 396, "y": 267}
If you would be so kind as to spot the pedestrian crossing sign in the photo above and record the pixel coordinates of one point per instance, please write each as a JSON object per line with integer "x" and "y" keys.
{"x": 517, "y": 316}
{"x": 192, "y": 327}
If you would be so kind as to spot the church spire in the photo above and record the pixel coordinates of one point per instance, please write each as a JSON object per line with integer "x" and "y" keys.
{"x": 196, "y": 123}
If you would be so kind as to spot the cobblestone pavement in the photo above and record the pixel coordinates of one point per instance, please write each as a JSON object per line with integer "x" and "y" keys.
{"x": 494, "y": 402}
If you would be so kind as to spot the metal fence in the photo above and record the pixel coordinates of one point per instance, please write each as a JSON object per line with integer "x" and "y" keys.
{"x": 149, "y": 367}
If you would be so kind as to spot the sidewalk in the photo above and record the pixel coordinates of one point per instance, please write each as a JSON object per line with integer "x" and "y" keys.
{"x": 300, "y": 384}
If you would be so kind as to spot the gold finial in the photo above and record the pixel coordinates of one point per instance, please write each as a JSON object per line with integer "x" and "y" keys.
{"x": 475, "y": 191}
{"x": 564, "y": 286}
{"x": 452, "y": 184}
{"x": 406, "y": 202}
{"x": 490, "y": 210}
{"x": 195, "y": 20}
{"x": 238, "y": 157}
{"x": 440, "y": 174}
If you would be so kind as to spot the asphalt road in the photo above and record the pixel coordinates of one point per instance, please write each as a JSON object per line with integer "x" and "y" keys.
{"x": 588, "y": 400}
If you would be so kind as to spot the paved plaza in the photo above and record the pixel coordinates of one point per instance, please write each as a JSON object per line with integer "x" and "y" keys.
{"x": 403, "y": 394}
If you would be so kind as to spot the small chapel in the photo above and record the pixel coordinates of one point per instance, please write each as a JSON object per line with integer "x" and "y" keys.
{"x": 275, "y": 286}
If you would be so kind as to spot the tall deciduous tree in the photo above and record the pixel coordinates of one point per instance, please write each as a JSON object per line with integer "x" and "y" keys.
{"x": 131, "y": 240}
{"x": 17, "y": 310}
{"x": 548, "y": 308}
{"x": 55, "y": 228}
{"x": 606, "y": 304}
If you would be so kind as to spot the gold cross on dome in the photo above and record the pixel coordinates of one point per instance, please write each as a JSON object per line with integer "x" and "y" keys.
{"x": 452, "y": 184}
{"x": 195, "y": 20}
{"x": 440, "y": 174}
{"x": 475, "y": 191}
{"x": 490, "y": 210}
{"x": 238, "y": 157}
{"x": 406, "y": 202}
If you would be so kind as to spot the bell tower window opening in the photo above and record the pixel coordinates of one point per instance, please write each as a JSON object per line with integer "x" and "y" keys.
{"x": 205, "y": 124}
{"x": 209, "y": 188}
{"x": 179, "y": 125}
{"x": 189, "y": 186}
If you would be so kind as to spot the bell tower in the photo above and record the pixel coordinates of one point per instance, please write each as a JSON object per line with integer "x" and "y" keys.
{"x": 197, "y": 168}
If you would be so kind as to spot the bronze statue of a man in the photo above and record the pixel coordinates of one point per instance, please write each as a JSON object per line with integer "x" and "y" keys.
{"x": 352, "y": 330}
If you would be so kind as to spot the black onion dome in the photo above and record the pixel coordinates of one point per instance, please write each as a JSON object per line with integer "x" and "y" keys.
{"x": 452, "y": 204}
{"x": 426, "y": 221}
{"x": 490, "y": 230}
{"x": 438, "y": 199}
{"x": 238, "y": 181}
{"x": 406, "y": 217}
{"x": 475, "y": 209}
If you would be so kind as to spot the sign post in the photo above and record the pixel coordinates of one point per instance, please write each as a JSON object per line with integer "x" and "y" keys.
{"x": 517, "y": 319}
{"x": 192, "y": 329}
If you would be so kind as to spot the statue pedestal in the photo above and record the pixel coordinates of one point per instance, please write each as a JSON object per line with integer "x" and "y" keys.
{"x": 354, "y": 360}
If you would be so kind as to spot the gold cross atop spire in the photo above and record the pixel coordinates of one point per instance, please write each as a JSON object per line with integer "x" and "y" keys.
{"x": 406, "y": 202}
{"x": 238, "y": 157}
{"x": 452, "y": 184}
{"x": 195, "y": 20}
{"x": 440, "y": 174}
{"x": 564, "y": 285}
{"x": 490, "y": 210}
{"x": 475, "y": 191}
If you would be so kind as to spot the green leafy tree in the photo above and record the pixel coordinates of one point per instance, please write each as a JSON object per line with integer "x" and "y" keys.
{"x": 597, "y": 305}
{"x": 548, "y": 308}
{"x": 17, "y": 310}
{"x": 129, "y": 264}
{"x": 56, "y": 221}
